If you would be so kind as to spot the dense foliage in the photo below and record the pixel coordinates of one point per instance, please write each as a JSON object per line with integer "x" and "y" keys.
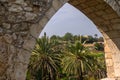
{"x": 66, "y": 58}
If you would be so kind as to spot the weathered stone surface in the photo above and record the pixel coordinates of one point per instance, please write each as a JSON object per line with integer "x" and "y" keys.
{"x": 28, "y": 9}
{"x": 116, "y": 26}
{"x": 35, "y": 30}
{"x": 8, "y": 38}
{"x": 22, "y": 20}
{"x": 1, "y": 31}
{"x": 109, "y": 62}
{"x": 21, "y": 2}
{"x": 16, "y": 42}
{"x": 30, "y": 16}
{"x": 29, "y": 44}
{"x": 4, "y": 0}
{"x": 6, "y": 25}
{"x": 115, "y": 5}
{"x": 106, "y": 17}
{"x": 108, "y": 79}
{"x": 14, "y": 36}
{"x": 110, "y": 72}
{"x": 50, "y": 13}
{"x": 56, "y": 4}
{"x": 15, "y": 8}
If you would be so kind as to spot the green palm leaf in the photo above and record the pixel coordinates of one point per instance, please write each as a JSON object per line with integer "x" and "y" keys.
{"x": 44, "y": 60}
{"x": 76, "y": 60}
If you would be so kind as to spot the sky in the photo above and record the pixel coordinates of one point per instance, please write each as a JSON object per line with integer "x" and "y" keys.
{"x": 70, "y": 19}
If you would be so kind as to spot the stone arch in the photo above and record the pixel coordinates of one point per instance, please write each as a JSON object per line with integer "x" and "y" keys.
{"x": 21, "y": 22}
{"x": 105, "y": 16}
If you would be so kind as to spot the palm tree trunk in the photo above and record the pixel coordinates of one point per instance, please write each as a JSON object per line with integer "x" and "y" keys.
{"x": 80, "y": 76}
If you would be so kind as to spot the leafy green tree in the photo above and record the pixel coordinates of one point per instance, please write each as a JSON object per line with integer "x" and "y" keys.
{"x": 90, "y": 39}
{"x": 77, "y": 61}
{"x": 54, "y": 37}
{"x": 44, "y": 61}
{"x": 99, "y": 46}
{"x": 99, "y": 69}
{"x": 95, "y": 35}
{"x": 100, "y": 39}
{"x": 68, "y": 37}
{"x": 65, "y": 58}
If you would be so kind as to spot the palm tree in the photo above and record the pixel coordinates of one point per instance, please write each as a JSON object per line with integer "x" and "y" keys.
{"x": 95, "y": 35}
{"x": 44, "y": 61}
{"x": 77, "y": 61}
{"x": 100, "y": 68}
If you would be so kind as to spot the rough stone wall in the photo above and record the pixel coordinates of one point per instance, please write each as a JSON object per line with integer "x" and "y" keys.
{"x": 115, "y": 4}
{"x": 21, "y": 21}
{"x": 16, "y": 41}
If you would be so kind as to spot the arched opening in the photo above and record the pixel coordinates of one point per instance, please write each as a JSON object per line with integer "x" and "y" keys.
{"x": 76, "y": 22}
{"x": 21, "y": 23}
{"x": 107, "y": 21}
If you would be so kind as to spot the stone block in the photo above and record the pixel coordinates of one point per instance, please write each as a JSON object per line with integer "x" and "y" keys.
{"x": 100, "y": 12}
{"x": 107, "y": 23}
{"x": 116, "y": 60}
{"x": 107, "y": 49}
{"x": 109, "y": 16}
{"x": 117, "y": 42}
{"x": 22, "y": 56}
{"x": 92, "y": 16}
{"x": 113, "y": 34}
{"x": 57, "y": 4}
{"x": 6, "y": 25}
{"x": 75, "y": 2}
{"x": 105, "y": 35}
{"x": 15, "y": 8}
{"x": 50, "y": 13}
{"x": 29, "y": 44}
{"x": 98, "y": 20}
{"x": 108, "y": 55}
{"x": 116, "y": 26}
{"x": 20, "y": 71}
{"x": 113, "y": 46}
{"x": 91, "y": 3}
{"x": 28, "y": 9}
{"x": 3, "y": 67}
{"x": 43, "y": 21}
{"x": 100, "y": 1}
{"x": 35, "y": 30}
{"x": 117, "y": 20}
{"x": 83, "y": 6}
{"x": 103, "y": 28}
{"x": 117, "y": 69}
{"x": 101, "y": 6}
{"x": 30, "y": 16}
{"x": 21, "y": 2}
{"x": 110, "y": 71}
{"x": 64, "y": 1}
{"x": 108, "y": 11}
{"x": 108, "y": 79}
{"x": 8, "y": 38}
{"x": 87, "y": 10}
{"x": 109, "y": 62}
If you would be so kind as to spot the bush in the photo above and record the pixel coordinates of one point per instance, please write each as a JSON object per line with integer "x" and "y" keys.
{"x": 99, "y": 46}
